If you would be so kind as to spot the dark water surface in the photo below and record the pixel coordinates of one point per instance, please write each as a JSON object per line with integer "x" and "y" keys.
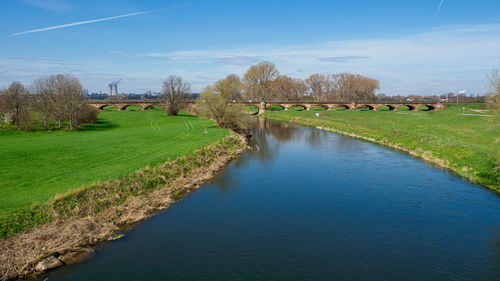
{"x": 311, "y": 205}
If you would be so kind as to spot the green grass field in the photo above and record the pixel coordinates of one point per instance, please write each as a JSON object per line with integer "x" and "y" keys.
{"x": 35, "y": 166}
{"x": 470, "y": 143}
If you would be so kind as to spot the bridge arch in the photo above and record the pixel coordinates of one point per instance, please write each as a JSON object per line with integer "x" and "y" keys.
{"x": 426, "y": 107}
{"x": 319, "y": 107}
{"x": 387, "y": 107}
{"x": 109, "y": 107}
{"x": 404, "y": 106}
{"x": 131, "y": 107}
{"x": 341, "y": 107}
{"x": 297, "y": 107}
{"x": 430, "y": 107}
{"x": 151, "y": 107}
{"x": 364, "y": 107}
{"x": 274, "y": 107}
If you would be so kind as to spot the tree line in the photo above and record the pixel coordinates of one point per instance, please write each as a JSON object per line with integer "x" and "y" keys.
{"x": 263, "y": 83}
{"x": 54, "y": 101}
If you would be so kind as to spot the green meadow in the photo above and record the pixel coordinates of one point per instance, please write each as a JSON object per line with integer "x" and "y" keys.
{"x": 467, "y": 140}
{"x": 35, "y": 166}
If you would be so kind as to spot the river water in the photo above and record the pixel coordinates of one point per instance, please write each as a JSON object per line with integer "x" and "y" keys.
{"x": 306, "y": 204}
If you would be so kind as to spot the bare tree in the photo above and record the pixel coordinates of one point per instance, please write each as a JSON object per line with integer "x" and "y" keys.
{"x": 72, "y": 98}
{"x": 355, "y": 87}
{"x": 258, "y": 81}
{"x": 4, "y": 112}
{"x": 286, "y": 88}
{"x": 316, "y": 86}
{"x": 44, "y": 99}
{"x": 493, "y": 100}
{"x": 175, "y": 90}
{"x": 60, "y": 98}
{"x": 15, "y": 104}
{"x": 229, "y": 88}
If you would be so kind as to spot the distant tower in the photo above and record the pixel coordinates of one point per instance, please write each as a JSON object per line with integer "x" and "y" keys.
{"x": 113, "y": 88}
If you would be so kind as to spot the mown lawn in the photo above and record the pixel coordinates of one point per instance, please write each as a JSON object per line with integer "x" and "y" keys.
{"x": 470, "y": 144}
{"x": 35, "y": 166}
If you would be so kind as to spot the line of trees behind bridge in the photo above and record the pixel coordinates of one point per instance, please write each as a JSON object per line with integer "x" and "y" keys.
{"x": 54, "y": 101}
{"x": 263, "y": 82}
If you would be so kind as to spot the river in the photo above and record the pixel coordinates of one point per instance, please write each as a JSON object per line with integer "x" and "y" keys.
{"x": 306, "y": 204}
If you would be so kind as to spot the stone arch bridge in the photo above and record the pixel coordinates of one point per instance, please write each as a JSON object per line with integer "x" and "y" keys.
{"x": 122, "y": 105}
{"x": 348, "y": 106}
{"x": 262, "y": 106}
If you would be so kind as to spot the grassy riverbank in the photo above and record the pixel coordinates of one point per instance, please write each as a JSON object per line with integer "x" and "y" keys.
{"x": 63, "y": 192}
{"x": 38, "y": 165}
{"x": 467, "y": 144}
{"x": 71, "y": 224}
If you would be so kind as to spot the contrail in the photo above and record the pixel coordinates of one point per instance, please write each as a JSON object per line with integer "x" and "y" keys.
{"x": 92, "y": 21}
{"x": 439, "y": 8}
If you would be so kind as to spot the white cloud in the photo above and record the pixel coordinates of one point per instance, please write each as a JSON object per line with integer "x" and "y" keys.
{"x": 442, "y": 59}
{"x": 236, "y": 60}
{"x": 458, "y": 56}
{"x": 342, "y": 58}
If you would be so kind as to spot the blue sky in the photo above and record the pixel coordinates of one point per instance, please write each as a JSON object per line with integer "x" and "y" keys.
{"x": 421, "y": 47}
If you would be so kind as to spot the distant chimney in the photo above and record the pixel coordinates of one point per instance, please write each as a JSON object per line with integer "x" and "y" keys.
{"x": 114, "y": 90}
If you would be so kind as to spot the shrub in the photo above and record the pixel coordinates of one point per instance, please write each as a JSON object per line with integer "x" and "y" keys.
{"x": 215, "y": 107}
{"x": 88, "y": 115}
